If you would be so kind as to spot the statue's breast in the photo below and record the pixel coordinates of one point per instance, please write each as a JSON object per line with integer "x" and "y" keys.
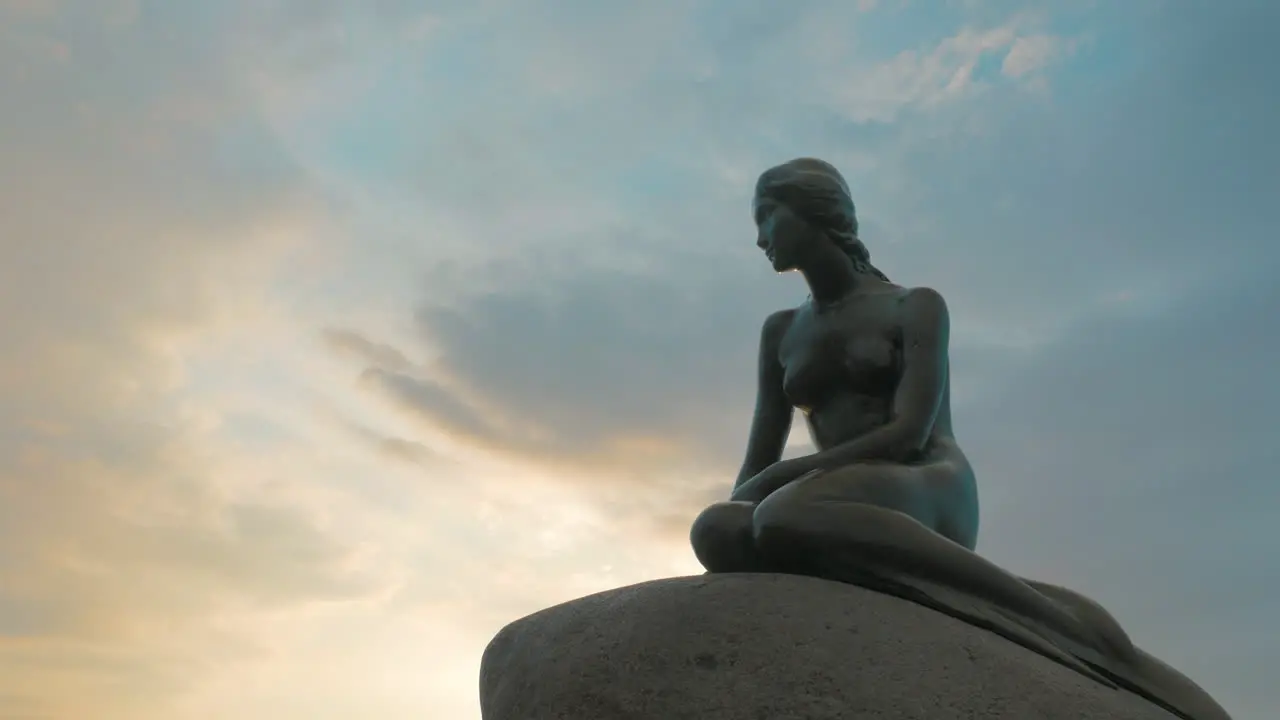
{"x": 807, "y": 376}
{"x": 867, "y": 353}
{"x": 821, "y": 363}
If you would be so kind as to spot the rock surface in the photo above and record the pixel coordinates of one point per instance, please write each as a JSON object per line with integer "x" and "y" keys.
{"x": 775, "y": 647}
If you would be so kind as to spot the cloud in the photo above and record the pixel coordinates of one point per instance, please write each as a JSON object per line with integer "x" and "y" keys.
{"x": 527, "y": 236}
{"x": 576, "y": 349}
{"x": 922, "y": 80}
{"x": 1029, "y": 54}
{"x": 520, "y": 349}
{"x": 1147, "y": 434}
{"x": 139, "y": 194}
{"x": 410, "y": 451}
{"x": 1077, "y": 235}
{"x": 381, "y": 355}
{"x": 432, "y": 400}
{"x": 519, "y": 372}
{"x": 27, "y": 9}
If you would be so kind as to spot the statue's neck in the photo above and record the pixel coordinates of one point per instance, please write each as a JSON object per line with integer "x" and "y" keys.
{"x": 830, "y": 282}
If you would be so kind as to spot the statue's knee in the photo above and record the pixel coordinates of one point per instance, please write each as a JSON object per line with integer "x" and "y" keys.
{"x": 719, "y": 526}
{"x": 702, "y": 532}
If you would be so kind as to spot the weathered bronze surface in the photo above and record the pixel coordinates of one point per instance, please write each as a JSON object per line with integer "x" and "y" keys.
{"x": 889, "y": 500}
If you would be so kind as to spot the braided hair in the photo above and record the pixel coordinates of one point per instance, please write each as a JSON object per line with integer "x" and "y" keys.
{"x": 815, "y": 190}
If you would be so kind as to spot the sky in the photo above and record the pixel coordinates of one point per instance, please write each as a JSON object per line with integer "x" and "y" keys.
{"x": 337, "y": 334}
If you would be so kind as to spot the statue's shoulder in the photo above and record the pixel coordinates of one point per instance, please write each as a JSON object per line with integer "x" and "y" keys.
{"x": 921, "y": 295}
{"x": 923, "y": 310}
{"x": 922, "y": 300}
{"x": 777, "y": 323}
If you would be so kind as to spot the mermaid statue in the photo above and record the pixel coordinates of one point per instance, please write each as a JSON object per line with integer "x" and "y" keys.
{"x": 888, "y": 501}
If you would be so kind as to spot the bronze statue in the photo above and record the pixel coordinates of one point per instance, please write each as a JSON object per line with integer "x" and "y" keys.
{"x": 889, "y": 500}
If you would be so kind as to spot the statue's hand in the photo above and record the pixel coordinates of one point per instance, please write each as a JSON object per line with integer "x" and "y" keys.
{"x": 765, "y": 482}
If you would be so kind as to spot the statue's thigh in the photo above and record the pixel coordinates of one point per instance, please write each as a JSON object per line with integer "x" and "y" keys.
{"x": 850, "y": 509}
{"x": 894, "y": 487}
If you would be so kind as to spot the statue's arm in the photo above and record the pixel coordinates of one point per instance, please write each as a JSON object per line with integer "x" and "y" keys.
{"x": 925, "y": 335}
{"x": 772, "y": 420}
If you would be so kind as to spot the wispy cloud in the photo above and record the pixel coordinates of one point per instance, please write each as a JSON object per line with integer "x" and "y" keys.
{"x": 339, "y": 334}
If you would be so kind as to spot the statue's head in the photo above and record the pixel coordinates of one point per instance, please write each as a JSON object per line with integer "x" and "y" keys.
{"x": 802, "y": 209}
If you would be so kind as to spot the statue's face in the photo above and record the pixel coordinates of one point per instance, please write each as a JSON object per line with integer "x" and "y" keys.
{"x": 784, "y": 236}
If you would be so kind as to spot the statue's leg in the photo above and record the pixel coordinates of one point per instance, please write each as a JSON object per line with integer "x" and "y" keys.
{"x": 876, "y": 519}
{"x": 723, "y": 539}
{"x": 866, "y": 521}
{"x": 1090, "y": 613}
{"x": 1158, "y": 678}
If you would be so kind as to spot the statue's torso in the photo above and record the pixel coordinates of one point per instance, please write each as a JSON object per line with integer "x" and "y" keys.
{"x": 842, "y": 367}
